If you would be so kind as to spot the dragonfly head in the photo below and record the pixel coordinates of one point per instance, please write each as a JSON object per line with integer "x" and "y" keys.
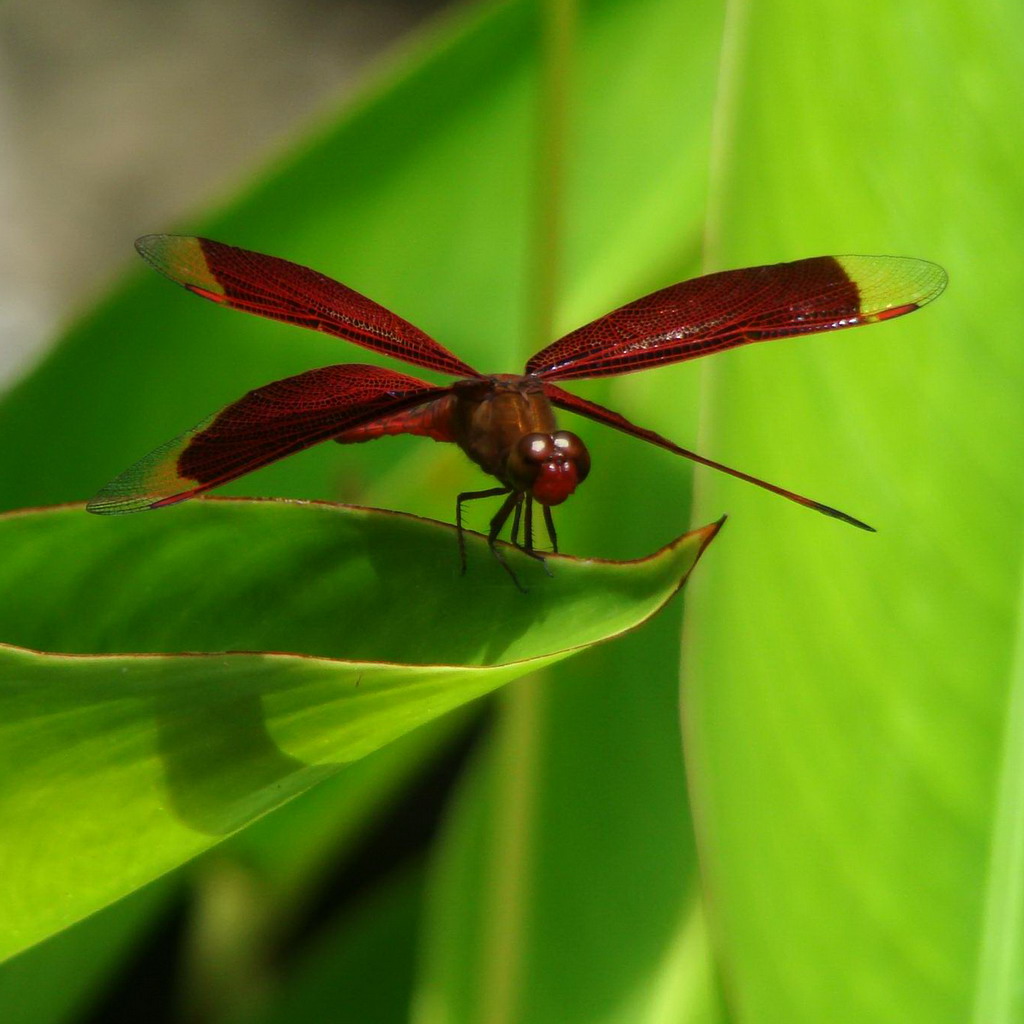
{"x": 549, "y": 466}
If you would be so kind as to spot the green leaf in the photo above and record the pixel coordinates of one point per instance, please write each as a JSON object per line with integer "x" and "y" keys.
{"x": 848, "y": 695}
{"x": 140, "y": 762}
{"x": 274, "y": 873}
{"x": 295, "y": 850}
{"x": 83, "y": 958}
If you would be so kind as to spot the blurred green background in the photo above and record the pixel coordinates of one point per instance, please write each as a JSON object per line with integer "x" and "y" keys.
{"x": 844, "y": 842}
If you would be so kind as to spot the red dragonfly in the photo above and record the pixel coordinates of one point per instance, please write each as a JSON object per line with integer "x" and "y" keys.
{"x": 504, "y": 422}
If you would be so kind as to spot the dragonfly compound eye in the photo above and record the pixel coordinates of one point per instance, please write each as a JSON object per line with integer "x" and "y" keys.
{"x": 536, "y": 448}
{"x": 573, "y": 449}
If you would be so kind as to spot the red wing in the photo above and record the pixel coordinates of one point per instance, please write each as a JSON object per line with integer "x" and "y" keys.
{"x": 281, "y": 290}
{"x": 734, "y": 307}
{"x": 565, "y": 400}
{"x": 262, "y": 427}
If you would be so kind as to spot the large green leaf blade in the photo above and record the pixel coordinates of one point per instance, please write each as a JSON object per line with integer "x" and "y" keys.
{"x": 140, "y": 761}
{"x": 84, "y": 957}
{"x": 845, "y": 692}
{"x": 309, "y": 578}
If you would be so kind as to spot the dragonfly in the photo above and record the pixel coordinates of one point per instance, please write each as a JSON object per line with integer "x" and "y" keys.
{"x": 504, "y": 422}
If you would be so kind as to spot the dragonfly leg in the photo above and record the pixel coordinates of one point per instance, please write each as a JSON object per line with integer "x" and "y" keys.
{"x": 512, "y": 502}
{"x": 549, "y": 522}
{"x": 491, "y": 492}
{"x": 529, "y": 549}
{"x": 515, "y": 525}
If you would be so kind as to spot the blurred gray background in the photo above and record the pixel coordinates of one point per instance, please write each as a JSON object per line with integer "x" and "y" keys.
{"x": 118, "y": 117}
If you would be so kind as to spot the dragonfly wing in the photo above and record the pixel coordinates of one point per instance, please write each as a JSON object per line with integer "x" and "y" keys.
{"x": 281, "y": 290}
{"x": 265, "y": 425}
{"x": 735, "y": 307}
